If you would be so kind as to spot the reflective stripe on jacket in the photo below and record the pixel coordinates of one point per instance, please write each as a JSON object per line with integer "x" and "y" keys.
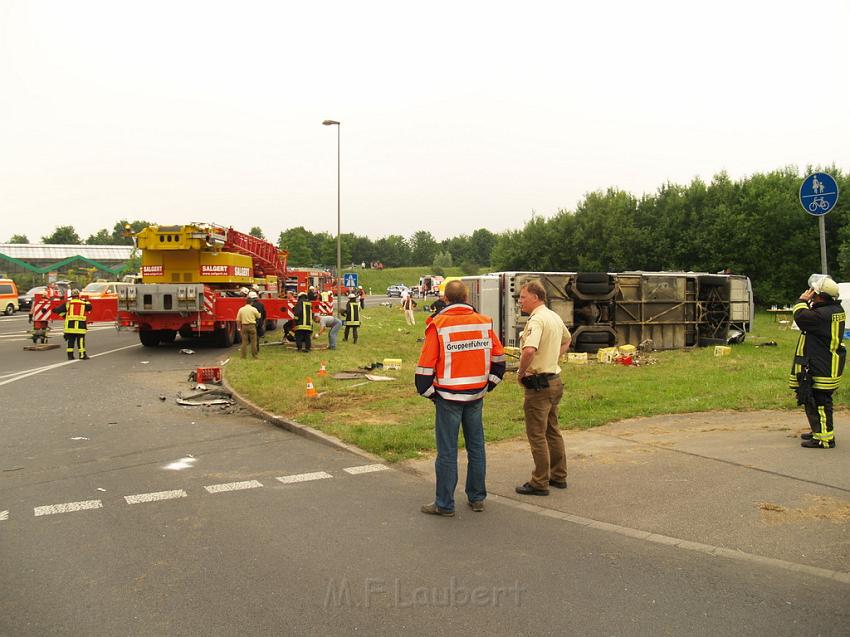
{"x": 819, "y": 344}
{"x": 352, "y": 314}
{"x": 75, "y": 316}
{"x": 461, "y": 358}
{"x": 304, "y": 316}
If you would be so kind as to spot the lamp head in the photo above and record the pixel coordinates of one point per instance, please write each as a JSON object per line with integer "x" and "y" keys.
{"x": 330, "y": 122}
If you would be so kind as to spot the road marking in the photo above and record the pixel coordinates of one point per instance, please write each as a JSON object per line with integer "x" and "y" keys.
{"x": 154, "y": 497}
{"x": 4, "y": 515}
{"x": 67, "y": 507}
{"x": 304, "y": 477}
{"x": 233, "y": 486}
{"x": 24, "y": 371}
{"x": 184, "y": 463}
{"x": 367, "y": 468}
{"x": 46, "y": 368}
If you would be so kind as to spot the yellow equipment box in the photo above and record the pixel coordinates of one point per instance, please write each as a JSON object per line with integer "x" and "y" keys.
{"x": 392, "y": 363}
{"x": 606, "y": 354}
{"x": 577, "y": 358}
{"x": 722, "y": 350}
{"x": 627, "y": 349}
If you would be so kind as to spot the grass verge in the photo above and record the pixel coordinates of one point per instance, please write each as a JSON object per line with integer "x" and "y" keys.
{"x": 389, "y": 419}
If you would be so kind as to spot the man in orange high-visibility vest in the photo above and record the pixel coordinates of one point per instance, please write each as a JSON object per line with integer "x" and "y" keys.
{"x": 461, "y": 360}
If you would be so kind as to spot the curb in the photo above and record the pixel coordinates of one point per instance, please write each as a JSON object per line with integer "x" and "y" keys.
{"x": 297, "y": 428}
{"x": 679, "y": 543}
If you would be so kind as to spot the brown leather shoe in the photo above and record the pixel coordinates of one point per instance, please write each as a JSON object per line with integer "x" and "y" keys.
{"x": 478, "y": 506}
{"x": 433, "y": 509}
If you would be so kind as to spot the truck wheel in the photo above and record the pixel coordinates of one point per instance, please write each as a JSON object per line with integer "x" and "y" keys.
{"x": 167, "y": 336}
{"x": 592, "y": 277}
{"x": 149, "y": 338}
{"x": 225, "y": 336}
{"x": 186, "y": 332}
{"x": 271, "y": 325}
{"x": 592, "y": 283}
{"x": 594, "y": 337}
{"x": 590, "y": 348}
{"x": 10, "y": 309}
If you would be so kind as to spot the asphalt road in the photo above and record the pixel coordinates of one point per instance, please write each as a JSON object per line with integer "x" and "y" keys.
{"x": 121, "y": 513}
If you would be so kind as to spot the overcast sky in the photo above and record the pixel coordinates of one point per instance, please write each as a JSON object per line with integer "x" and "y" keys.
{"x": 455, "y": 115}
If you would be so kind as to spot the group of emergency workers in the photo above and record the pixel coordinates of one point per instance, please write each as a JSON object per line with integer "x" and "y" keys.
{"x": 818, "y": 364}
{"x": 301, "y": 327}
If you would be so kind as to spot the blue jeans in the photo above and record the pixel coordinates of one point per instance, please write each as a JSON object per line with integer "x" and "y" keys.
{"x": 333, "y": 333}
{"x": 450, "y": 417}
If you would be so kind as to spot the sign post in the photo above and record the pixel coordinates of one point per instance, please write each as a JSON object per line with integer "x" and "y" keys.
{"x": 818, "y": 195}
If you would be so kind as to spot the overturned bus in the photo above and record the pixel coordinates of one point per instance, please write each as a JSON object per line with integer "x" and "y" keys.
{"x": 674, "y": 309}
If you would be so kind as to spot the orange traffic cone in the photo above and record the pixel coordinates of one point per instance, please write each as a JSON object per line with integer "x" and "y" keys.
{"x": 323, "y": 371}
{"x": 311, "y": 391}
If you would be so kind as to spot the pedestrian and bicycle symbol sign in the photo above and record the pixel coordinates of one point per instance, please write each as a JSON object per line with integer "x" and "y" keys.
{"x": 350, "y": 279}
{"x": 818, "y": 194}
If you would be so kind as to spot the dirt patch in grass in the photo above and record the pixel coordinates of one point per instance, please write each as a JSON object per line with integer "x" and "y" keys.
{"x": 822, "y": 508}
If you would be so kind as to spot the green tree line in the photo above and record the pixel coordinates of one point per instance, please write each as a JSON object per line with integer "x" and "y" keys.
{"x": 753, "y": 226}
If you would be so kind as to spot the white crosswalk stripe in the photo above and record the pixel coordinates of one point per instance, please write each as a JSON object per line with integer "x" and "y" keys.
{"x": 305, "y": 477}
{"x": 233, "y": 486}
{"x": 368, "y": 468}
{"x": 154, "y": 497}
{"x": 67, "y": 507}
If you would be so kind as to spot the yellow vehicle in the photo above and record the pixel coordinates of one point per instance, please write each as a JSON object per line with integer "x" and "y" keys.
{"x": 8, "y": 297}
{"x": 444, "y": 282}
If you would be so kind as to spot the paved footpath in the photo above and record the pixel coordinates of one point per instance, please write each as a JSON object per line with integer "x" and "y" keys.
{"x": 734, "y": 483}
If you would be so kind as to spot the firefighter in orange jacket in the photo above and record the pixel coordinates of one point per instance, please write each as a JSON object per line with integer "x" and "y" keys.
{"x": 75, "y": 312}
{"x": 461, "y": 360}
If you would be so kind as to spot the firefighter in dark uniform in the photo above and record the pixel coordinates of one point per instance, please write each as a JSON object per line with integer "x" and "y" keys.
{"x": 818, "y": 358}
{"x": 75, "y": 311}
{"x": 352, "y": 318}
{"x": 261, "y": 322}
{"x": 303, "y": 323}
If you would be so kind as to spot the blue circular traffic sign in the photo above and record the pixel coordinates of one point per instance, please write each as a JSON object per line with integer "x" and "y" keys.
{"x": 818, "y": 194}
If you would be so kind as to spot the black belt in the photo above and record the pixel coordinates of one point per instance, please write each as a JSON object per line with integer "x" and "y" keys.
{"x": 548, "y": 376}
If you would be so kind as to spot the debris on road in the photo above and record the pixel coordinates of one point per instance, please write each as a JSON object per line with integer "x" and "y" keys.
{"x": 162, "y": 396}
{"x": 41, "y": 347}
{"x": 79, "y": 438}
{"x": 187, "y": 351}
{"x": 376, "y": 377}
{"x": 204, "y": 397}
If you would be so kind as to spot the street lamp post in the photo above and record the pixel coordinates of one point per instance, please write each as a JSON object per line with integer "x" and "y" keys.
{"x": 330, "y": 122}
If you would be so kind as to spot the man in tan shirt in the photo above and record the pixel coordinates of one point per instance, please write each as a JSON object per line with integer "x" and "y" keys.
{"x": 246, "y": 321}
{"x": 542, "y": 343}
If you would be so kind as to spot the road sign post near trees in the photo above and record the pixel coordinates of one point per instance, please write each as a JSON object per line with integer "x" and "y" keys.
{"x": 818, "y": 195}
